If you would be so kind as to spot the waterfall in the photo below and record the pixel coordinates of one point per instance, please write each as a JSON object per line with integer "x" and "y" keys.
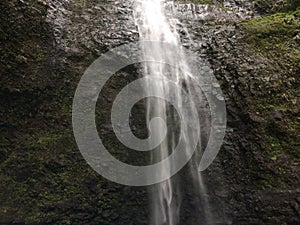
{"x": 158, "y": 25}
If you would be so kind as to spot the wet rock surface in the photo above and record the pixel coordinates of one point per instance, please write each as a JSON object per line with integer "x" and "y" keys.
{"x": 246, "y": 180}
{"x": 46, "y": 47}
{"x": 44, "y": 179}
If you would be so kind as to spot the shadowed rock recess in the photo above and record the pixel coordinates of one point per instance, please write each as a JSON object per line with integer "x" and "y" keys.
{"x": 46, "y": 45}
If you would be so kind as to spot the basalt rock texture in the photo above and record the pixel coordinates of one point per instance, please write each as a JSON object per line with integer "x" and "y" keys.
{"x": 46, "y": 47}
{"x": 257, "y": 63}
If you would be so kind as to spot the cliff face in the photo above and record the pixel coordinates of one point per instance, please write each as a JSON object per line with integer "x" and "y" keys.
{"x": 257, "y": 62}
{"x": 47, "y": 45}
{"x": 45, "y": 48}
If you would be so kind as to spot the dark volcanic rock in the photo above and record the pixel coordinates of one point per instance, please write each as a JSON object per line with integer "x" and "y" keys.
{"x": 46, "y": 47}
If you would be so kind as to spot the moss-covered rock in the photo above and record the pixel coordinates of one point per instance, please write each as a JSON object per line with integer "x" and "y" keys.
{"x": 44, "y": 178}
{"x": 275, "y": 90}
{"x": 273, "y": 6}
{"x": 259, "y": 68}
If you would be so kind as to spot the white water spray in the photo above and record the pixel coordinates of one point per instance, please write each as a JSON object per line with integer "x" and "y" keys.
{"x": 153, "y": 25}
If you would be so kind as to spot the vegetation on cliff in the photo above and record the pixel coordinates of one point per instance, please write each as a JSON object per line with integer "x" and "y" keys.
{"x": 44, "y": 179}
{"x": 274, "y": 98}
{"x": 274, "y": 6}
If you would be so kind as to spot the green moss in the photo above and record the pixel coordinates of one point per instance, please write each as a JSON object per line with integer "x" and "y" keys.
{"x": 44, "y": 178}
{"x": 273, "y": 6}
{"x": 274, "y": 24}
{"x": 25, "y": 44}
{"x": 279, "y": 140}
{"x": 274, "y": 39}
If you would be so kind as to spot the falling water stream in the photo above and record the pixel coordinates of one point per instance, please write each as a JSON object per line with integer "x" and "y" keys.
{"x": 157, "y": 24}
